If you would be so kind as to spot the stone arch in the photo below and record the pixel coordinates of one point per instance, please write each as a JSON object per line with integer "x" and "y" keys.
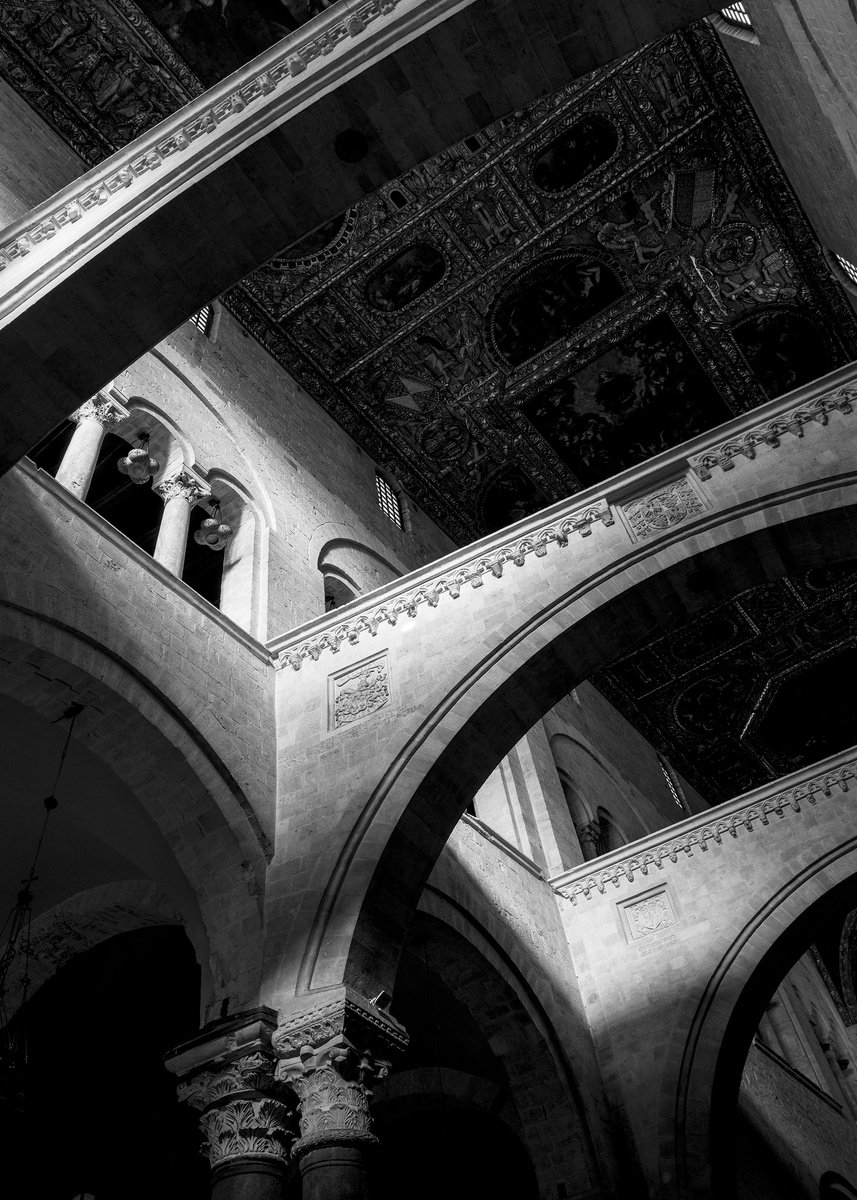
{"x": 168, "y": 442}
{"x": 774, "y": 932}
{"x": 355, "y": 565}
{"x": 485, "y": 977}
{"x": 88, "y": 918}
{"x": 499, "y": 688}
{"x": 158, "y": 756}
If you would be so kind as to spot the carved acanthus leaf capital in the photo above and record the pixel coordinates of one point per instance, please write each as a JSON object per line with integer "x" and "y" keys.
{"x": 229, "y": 1077}
{"x": 331, "y": 1053}
{"x": 249, "y": 1128}
{"x": 103, "y": 410}
{"x": 184, "y": 485}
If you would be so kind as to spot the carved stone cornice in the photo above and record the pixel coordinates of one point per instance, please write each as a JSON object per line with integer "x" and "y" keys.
{"x": 183, "y": 485}
{"x": 489, "y": 562}
{"x": 841, "y": 399}
{"x": 699, "y": 832}
{"x": 104, "y": 410}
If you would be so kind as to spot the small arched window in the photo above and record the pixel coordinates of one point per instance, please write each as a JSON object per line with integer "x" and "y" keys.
{"x": 388, "y": 501}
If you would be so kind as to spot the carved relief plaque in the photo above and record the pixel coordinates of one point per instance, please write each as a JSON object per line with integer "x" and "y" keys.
{"x": 671, "y": 504}
{"x": 647, "y": 915}
{"x": 358, "y": 691}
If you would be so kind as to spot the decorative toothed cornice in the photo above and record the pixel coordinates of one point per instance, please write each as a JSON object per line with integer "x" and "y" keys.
{"x": 54, "y": 238}
{"x": 646, "y": 501}
{"x": 728, "y": 820}
{"x": 450, "y": 583}
{"x": 769, "y": 433}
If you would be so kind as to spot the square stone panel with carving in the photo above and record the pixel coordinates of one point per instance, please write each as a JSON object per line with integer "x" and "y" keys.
{"x": 647, "y": 915}
{"x": 657, "y": 512}
{"x": 358, "y": 691}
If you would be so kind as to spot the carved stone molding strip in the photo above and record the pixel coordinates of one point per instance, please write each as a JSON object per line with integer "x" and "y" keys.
{"x": 842, "y": 400}
{"x": 204, "y": 132}
{"x": 744, "y": 819}
{"x": 450, "y": 583}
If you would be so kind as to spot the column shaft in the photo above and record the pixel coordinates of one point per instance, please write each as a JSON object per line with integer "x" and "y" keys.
{"x": 79, "y": 461}
{"x": 334, "y": 1173}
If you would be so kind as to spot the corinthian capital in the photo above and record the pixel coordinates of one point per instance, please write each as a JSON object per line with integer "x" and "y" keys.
{"x": 104, "y": 410}
{"x": 332, "y": 1048}
{"x": 184, "y": 484}
{"x": 229, "y": 1078}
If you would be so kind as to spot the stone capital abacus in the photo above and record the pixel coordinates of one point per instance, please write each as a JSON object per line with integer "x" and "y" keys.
{"x": 229, "y": 1077}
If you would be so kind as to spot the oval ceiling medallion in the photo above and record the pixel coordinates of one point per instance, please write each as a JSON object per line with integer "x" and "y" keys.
{"x": 405, "y": 277}
{"x": 576, "y": 153}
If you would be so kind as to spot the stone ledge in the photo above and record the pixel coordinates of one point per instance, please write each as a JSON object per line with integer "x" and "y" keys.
{"x": 731, "y": 818}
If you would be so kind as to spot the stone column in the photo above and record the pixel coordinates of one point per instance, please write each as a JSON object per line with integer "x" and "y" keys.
{"x": 93, "y": 420}
{"x": 331, "y": 1055}
{"x": 247, "y": 1119}
{"x": 179, "y": 493}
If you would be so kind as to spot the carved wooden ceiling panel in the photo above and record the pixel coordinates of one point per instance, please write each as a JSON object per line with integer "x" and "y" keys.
{"x": 752, "y": 688}
{"x": 583, "y": 284}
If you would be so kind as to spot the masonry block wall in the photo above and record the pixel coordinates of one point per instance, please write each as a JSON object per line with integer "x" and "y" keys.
{"x": 800, "y": 79}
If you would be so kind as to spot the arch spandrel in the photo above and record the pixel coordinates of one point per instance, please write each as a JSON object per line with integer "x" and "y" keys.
{"x": 415, "y": 714}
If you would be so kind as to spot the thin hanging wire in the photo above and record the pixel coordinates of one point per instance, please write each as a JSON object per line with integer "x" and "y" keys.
{"x": 13, "y": 1053}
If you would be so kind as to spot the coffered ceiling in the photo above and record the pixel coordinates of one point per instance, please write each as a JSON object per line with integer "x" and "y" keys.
{"x": 583, "y": 284}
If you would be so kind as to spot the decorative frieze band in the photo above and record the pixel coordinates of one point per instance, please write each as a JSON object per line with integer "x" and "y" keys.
{"x": 316, "y": 40}
{"x": 742, "y": 820}
{"x": 841, "y": 399}
{"x": 450, "y": 583}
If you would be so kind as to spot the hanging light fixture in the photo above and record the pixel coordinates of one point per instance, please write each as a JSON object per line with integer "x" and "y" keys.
{"x": 213, "y": 532}
{"x": 13, "y": 1045}
{"x": 137, "y": 464}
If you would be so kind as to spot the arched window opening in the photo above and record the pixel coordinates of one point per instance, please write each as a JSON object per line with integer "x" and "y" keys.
{"x": 132, "y": 509}
{"x": 610, "y": 836}
{"x": 220, "y": 564}
{"x": 337, "y": 593}
{"x": 388, "y": 501}
{"x": 203, "y": 564}
{"x": 834, "y": 1187}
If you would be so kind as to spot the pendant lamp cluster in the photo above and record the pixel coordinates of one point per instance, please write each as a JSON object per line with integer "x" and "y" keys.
{"x": 140, "y": 468}
{"x": 213, "y": 532}
{"x": 138, "y": 464}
